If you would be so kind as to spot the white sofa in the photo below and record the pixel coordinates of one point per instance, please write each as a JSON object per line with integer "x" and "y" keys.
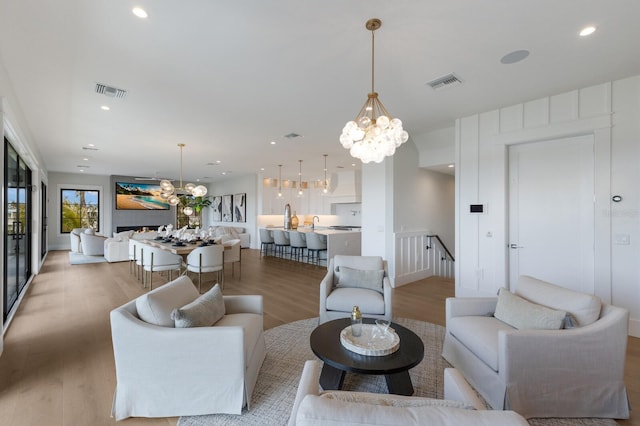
{"x": 162, "y": 371}
{"x": 575, "y": 372}
{"x": 116, "y": 249}
{"x": 461, "y": 406}
{"x": 233, "y": 232}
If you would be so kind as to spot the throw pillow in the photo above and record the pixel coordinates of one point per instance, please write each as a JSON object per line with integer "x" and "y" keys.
{"x": 359, "y": 278}
{"x": 524, "y": 315}
{"x": 123, "y": 236}
{"x": 205, "y": 311}
{"x": 89, "y": 231}
{"x": 156, "y": 306}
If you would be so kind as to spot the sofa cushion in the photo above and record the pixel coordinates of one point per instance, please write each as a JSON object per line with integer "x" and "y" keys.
{"x": 156, "y": 306}
{"x": 123, "y": 236}
{"x": 369, "y": 301}
{"x": 360, "y": 278}
{"x": 524, "y": 315}
{"x": 479, "y": 335}
{"x": 315, "y": 410}
{"x": 585, "y": 308}
{"x": 391, "y": 400}
{"x": 205, "y": 311}
{"x": 252, "y": 325}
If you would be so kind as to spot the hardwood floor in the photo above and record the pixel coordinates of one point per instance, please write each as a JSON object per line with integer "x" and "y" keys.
{"x": 57, "y": 367}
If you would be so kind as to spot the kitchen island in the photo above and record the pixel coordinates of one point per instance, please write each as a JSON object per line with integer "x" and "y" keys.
{"x": 339, "y": 241}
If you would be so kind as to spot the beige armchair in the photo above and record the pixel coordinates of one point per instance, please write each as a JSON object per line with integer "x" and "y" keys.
{"x": 355, "y": 280}
{"x": 74, "y": 239}
{"x": 575, "y": 372}
{"x": 162, "y": 371}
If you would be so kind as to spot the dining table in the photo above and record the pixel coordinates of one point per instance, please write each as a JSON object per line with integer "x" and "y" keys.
{"x": 183, "y": 249}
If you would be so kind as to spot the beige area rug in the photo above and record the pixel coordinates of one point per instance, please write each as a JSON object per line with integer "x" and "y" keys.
{"x": 288, "y": 349}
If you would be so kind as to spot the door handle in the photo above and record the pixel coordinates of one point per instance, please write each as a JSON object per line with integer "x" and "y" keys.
{"x": 514, "y": 246}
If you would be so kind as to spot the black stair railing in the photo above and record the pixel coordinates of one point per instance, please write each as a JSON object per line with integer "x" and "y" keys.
{"x": 446, "y": 250}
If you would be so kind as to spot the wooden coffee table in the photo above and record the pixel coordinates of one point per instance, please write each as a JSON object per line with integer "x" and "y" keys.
{"x": 325, "y": 343}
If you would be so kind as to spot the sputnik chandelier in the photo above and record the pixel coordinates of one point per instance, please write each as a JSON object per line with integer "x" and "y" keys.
{"x": 373, "y": 135}
{"x": 170, "y": 192}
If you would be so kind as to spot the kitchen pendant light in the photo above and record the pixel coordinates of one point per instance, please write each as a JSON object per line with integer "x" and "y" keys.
{"x": 300, "y": 193}
{"x": 373, "y": 134}
{"x": 280, "y": 181}
{"x": 325, "y": 184}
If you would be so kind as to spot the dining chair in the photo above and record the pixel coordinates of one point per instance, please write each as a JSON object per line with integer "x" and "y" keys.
{"x": 233, "y": 255}
{"x": 266, "y": 241}
{"x": 281, "y": 241}
{"x": 207, "y": 259}
{"x": 139, "y": 255}
{"x": 132, "y": 255}
{"x": 157, "y": 260}
{"x": 316, "y": 243}
{"x": 298, "y": 242}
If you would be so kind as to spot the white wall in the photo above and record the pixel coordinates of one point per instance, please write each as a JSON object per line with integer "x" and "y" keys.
{"x": 611, "y": 113}
{"x": 244, "y": 184}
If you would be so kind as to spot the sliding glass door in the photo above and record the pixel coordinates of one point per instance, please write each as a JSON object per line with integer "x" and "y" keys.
{"x": 17, "y": 234}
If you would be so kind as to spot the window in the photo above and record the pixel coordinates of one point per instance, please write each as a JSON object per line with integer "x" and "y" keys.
{"x": 80, "y": 208}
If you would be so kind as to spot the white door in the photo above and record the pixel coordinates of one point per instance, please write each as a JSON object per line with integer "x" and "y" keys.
{"x": 551, "y": 212}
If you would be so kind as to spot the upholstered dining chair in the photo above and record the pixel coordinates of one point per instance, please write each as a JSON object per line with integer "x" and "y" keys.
{"x": 316, "y": 243}
{"x": 233, "y": 255}
{"x": 281, "y": 240}
{"x": 158, "y": 260}
{"x": 355, "y": 280}
{"x": 132, "y": 255}
{"x": 207, "y": 259}
{"x": 298, "y": 243}
{"x": 266, "y": 240}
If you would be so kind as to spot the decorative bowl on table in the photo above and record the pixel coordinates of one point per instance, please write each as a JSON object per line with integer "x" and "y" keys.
{"x": 372, "y": 341}
{"x": 178, "y": 244}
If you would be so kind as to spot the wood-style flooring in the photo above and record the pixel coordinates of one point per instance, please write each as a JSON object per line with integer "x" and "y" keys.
{"x": 57, "y": 367}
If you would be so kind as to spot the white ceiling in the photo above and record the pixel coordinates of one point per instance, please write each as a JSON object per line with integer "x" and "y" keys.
{"x": 227, "y": 77}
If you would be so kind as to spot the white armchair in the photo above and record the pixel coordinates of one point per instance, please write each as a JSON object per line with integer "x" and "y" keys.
{"x": 92, "y": 245}
{"x": 74, "y": 237}
{"x": 163, "y": 371}
{"x": 576, "y": 372}
{"x": 355, "y": 280}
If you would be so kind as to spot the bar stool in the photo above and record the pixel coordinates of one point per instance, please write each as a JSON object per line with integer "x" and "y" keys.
{"x": 298, "y": 243}
{"x": 316, "y": 243}
{"x": 266, "y": 241}
{"x": 281, "y": 240}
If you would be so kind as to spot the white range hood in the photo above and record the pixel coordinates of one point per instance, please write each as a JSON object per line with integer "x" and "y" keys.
{"x": 346, "y": 187}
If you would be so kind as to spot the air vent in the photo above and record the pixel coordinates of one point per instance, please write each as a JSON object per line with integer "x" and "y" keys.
{"x": 83, "y": 166}
{"x": 90, "y": 148}
{"x": 292, "y": 136}
{"x": 448, "y": 80}
{"x": 110, "y": 91}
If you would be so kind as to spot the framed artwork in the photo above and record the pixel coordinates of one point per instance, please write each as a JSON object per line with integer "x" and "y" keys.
{"x": 216, "y": 205}
{"x": 227, "y": 208}
{"x": 240, "y": 207}
{"x": 139, "y": 196}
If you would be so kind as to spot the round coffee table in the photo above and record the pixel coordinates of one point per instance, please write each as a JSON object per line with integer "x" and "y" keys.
{"x": 325, "y": 343}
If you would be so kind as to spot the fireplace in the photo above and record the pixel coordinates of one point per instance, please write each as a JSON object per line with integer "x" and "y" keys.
{"x": 137, "y": 228}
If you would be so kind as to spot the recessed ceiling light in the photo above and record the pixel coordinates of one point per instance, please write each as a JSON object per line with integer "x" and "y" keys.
{"x": 353, "y": 164}
{"x": 262, "y": 169}
{"x": 105, "y": 108}
{"x": 272, "y": 142}
{"x": 139, "y": 12}
{"x": 91, "y": 144}
{"x": 515, "y": 56}
{"x": 450, "y": 166}
{"x": 228, "y": 172}
{"x": 587, "y": 31}
{"x": 85, "y": 159}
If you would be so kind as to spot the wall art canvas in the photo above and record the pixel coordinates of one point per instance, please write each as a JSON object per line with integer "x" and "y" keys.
{"x": 227, "y": 208}
{"x": 139, "y": 196}
{"x": 216, "y": 205}
{"x": 240, "y": 207}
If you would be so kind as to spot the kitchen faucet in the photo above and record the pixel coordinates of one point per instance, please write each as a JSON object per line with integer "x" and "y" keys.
{"x": 313, "y": 222}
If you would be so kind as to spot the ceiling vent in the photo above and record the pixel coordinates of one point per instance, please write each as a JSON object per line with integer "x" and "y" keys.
{"x": 110, "y": 91}
{"x": 292, "y": 136}
{"x": 448, "y": 80}
{"x": 90, "y": 148}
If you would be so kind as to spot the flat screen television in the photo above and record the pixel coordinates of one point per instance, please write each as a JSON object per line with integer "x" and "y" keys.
{"x": 139, "y": 196}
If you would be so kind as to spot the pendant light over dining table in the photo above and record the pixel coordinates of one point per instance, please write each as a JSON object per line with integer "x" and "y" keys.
{"x": 170, "y": 192}
{"x": 373, "y": 134}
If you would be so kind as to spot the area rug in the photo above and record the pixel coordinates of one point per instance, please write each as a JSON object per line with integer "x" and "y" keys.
{"x": 288, "y": 349}
{"x": 81, "y": 259}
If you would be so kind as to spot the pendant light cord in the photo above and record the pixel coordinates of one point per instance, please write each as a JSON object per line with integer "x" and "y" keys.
{"x": 373, "y": 31}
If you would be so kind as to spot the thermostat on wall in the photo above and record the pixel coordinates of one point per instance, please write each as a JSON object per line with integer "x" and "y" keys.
{"x": 477, "y": 208}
